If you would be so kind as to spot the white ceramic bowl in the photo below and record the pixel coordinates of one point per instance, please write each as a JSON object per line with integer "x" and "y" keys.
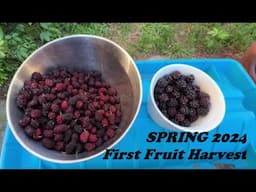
{"x": 206, "y": 84}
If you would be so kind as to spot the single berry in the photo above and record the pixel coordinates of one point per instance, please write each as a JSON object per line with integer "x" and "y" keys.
{"x": 58, "y": 137}
{"x": 24, "y": 121}
{"x": 59, "y": 119}
{"x": 36, "y": 76}
{"x": 59, "y": 146}
{"x": 104, "y": 122}
{"x": 110, "y": 132}
{"x": 35, "y": 113}
{"x": 92, "y": 138}
{"x": 51, "y": 115}
{"x": 60, "y": 128}
{"x": 55, "y": 108}
{"x": 172, "y": 102}
{"x": 70, "y": 148}
{"x": 79, "y": 104}
{"x": 59, "y": 86}
{"x": 29, "y": 131}
{"x": 84, "y": 136}
{"x": 89, "y": 146}
{"x": 48, "y": 143}
{"x": 37, "y": 134}
{"x": 48, "y": 133}
{"x": 49, "y": 83}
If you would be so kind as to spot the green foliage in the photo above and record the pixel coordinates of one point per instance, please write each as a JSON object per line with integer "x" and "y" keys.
{"x": 155, "y": 37}
{"x": 141, "y": 40}
{"x": 216, "y": 38}
{"x": 49, "y": 31}
{"x": 18, "y": 41}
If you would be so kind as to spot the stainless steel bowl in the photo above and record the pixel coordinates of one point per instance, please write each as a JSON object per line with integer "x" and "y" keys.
{"x": 79, "y": 52}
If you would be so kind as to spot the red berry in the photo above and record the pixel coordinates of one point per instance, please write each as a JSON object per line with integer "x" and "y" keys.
{"x": 92, "y": 138}
{"x": 110, "y": 132}
{"x": 102, "y": 90}
{"x": 104, "y": 122}
{"x": 118, "y": 113}
{"x": 59, "y": 86}
{"x": 104, "y": 98}
{"x": 77, "y": 114}
{"x": 107, "y": 114}
{"x": 88, "y": 113}
{"x": 101, "y": 103}
{"x": 35, "y": 113}
{"x": 51, "y": 115}
{"x": 64, "y": 105}
{"x": 55, "y": 108}
{"x": 93, "y": 130}
{"x": 84, "y": 136}
{"x": 89, "y": 146}
{"x": 112, "y": 100}
{"x": 49, "y": 82}
{"x": 112, "y": 91}
{"x": 111, "y": 119}
{"x": 79, "y": 104}
{"x": 112, "y": 108}
{"x": 37, "y": 134}
{"x": 59, "y": 119}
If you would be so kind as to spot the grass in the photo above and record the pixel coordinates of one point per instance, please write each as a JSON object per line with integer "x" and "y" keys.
{"x": 141, "y": 40}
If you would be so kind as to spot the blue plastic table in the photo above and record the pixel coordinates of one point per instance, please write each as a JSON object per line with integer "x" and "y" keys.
{"x": 239, "y": 91}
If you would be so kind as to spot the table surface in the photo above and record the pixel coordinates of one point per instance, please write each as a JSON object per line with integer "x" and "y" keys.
{"x": 239, "y": 92}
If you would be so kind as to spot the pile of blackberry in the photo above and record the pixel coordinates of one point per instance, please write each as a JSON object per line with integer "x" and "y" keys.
{"x": 179, "y": 99}
{"x": 71, "y": 112}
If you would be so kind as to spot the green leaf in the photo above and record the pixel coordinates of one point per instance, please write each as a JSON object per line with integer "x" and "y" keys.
{"x": 213, "y": 32}
{"x": 1, "y": 42}
{"x": 1, "y": 34}
{"x": 45, "y": 25}
{"x": 223, "y": 35}
{"x": 2, "y": 54}
{"x": 210, "y": 43}
{"x": 45, "y": 36}
{"x": 20, "y": 27}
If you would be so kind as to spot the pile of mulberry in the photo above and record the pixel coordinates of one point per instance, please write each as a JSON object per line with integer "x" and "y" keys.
{"x": 180, "y": 100}
{"x": 71, "y": 112}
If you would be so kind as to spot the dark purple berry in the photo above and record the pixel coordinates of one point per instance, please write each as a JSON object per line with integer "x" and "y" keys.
{"x": 70, "y": 148}
{"x": 35, "y": 113}
{"x": 172, "y": 102}
{"x": 29, "y": 131}
{"x": 48, "y": 133}
{"x": 60, "y": 128}
{"x": 24, "y": 121}
{"x": 179, "y": 117}
{"x": 48, "y": 143}
{"x": 36, "y": 76}
{"x": 202, "y": 111}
